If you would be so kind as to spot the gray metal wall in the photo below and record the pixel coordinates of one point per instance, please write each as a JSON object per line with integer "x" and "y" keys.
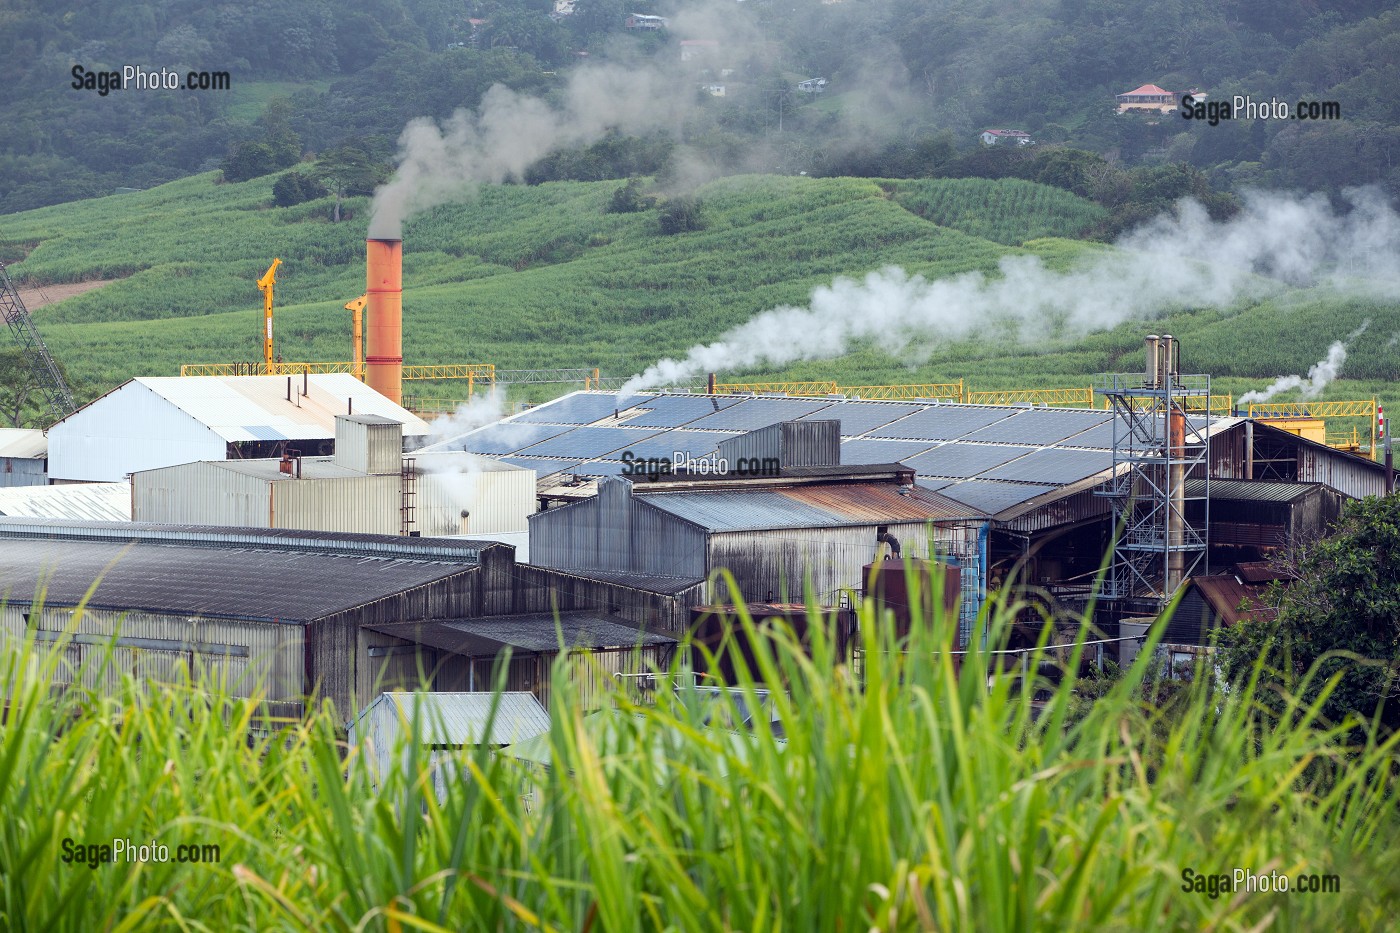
{"x": 200, "y": 494}
{"x": 368, "y": 448}
{"x": 23, "y": 471}
{"x": 781, "y": 562}
{"x": 616, "y": 532}
{"x": 792, "y": 443}
{"x": 367, "y": 504}
{"x": 249, "y": 657}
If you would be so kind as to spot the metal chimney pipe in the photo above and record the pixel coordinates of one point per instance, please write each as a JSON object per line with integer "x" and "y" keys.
{"x": 710, "y": 384}
{"x": 1176, "y": 515}
{"x": 384, "y": 343}
{"x": 1152, "y": 366}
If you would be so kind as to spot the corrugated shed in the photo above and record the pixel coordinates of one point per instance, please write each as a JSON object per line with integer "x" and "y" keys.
{"x": 99, "y": 502}
{"x": 459, "y": 719}
{"x": 790, "y": 443}
{"x": 368, "y": 443}
{"x": 246, "y": 583}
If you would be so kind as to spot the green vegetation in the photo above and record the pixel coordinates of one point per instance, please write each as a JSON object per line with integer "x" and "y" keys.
{"x": 911, "y": 85}
{"x": 1344, "y": 605}
{"x": 1009, "y": 211}
{"x": 910, "y": 796}
{"x": 546, "y": 276}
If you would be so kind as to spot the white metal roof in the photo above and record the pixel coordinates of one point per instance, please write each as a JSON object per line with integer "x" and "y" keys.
{"x": 23, "y": 443}
{"x": 461, "y": 718}
{"x": 256, "y": 408}
{"x": 97, "y": 502}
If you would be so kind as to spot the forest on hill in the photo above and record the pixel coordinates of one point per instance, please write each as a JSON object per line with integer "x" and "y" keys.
{"x": 909, "y": 87}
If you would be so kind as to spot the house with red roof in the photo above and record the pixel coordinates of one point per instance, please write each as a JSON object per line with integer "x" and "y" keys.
{"x": 1006, "y": 138}
{"x": 1148, "y": 97}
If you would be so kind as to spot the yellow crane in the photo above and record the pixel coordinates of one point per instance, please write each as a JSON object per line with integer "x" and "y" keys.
{"x": 357, "y": 330}
{"x": 265, "y": 285}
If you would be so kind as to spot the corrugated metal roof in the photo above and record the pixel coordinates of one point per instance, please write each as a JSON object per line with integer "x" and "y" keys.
{"x": 23, "y": 444}
{"x": 97, "y": 502}
{"x": 1232, "y": 600}
{"x": 334, "y": 543}
{"x": 457, "y": 719}
{"x": 252, "y": 408}
{"x": 532, "y": 632}
{"x": 808, "y": 506}
{"x": 218, "y": 582}
{"x": 652, "y": 583}
{"x": 1244, "y": 490}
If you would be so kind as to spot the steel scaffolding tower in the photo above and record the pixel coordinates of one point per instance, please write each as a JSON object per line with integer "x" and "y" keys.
{"x": 1161, "y": 430}
{"x": 48, "y": 379}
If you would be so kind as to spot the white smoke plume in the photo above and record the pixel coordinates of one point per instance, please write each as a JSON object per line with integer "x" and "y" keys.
{"x": 1177, "y": 261}
{"x": 451, "y": 477}
{"x": 480, "y": 410}
{"x": 507, "y": 134}
{"x": 1319, "y": 376}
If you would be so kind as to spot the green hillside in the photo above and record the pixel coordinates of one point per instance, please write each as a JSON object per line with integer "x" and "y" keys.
{"x": 542, "y": 276}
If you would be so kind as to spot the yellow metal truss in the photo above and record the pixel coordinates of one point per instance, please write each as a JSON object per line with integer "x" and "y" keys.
{"x": 1082, "y": 398}
{"x": 475, "y": 372}
{"x": 777, "y": 388}
{"x": 1366, "y": 408}
{"x": 942, "y": 390}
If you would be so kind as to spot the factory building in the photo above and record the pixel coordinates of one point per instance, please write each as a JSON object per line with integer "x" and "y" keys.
{"x": 367, "y": 486}
{"x": 153, "y": 422}
{"x": 24, "y": 457}
{"x": 1031, "y": 480}
{"x": 811, "y": 530}
{"x": 289, "y": 613}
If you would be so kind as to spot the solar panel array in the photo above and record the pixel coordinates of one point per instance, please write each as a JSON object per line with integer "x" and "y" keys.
{"x": 990, "y": 457}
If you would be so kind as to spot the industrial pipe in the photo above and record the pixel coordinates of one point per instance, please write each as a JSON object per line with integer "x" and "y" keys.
{"x": 384, "y": 343}
{"x": 1176, "y": 515}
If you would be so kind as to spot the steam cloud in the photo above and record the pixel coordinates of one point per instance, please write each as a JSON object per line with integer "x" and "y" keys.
{"x": 1176, "y": 261}
{"x": 1320, "y": 374}
{"x": 507, "y": 134}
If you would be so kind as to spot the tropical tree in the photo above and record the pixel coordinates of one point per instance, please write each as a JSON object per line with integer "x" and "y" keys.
{"x": 1341, "y": 615}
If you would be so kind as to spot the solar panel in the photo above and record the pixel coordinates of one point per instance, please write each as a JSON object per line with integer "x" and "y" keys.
{"x": 753, "y": 413}
{"x": 666, "y": 444}
{"x": 960, "y": 460}
{"x": 503, "y": 437}
{"x": 991, "y": 496}
{"x": 583, "y": 408}
{"x": 669, "y": 411}
{"x": 867, "y": 451}
{"x": 933, "y": 485}
{"x": 599, "y": 468}
{"x": 542, "y": 467}
{"x": 943, "y": 422}
{"x": 1056, "y": 465}
{"x": 1040, "y": 426}
{"x": 1101, "y": 437}
{"x": 859, "y": 417}
{"x": 587, "y": 443}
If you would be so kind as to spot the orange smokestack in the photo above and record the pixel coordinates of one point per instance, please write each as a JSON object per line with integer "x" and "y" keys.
{"x": 384, "y": 343}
